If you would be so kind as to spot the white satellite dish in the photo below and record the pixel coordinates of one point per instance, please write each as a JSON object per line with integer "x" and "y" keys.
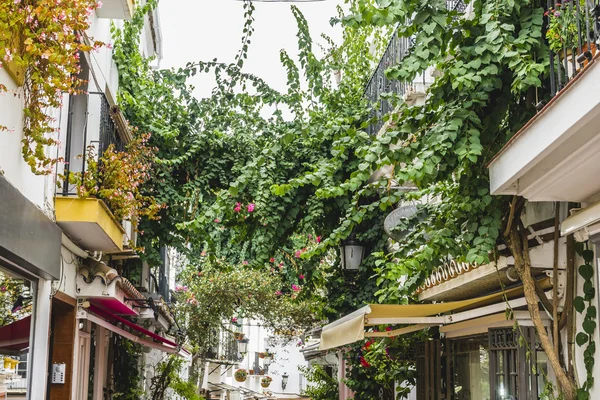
{"x": 395, "y": 218}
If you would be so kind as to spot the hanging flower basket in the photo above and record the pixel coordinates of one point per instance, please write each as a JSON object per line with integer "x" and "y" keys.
{"x": 266, "y": 381}
{"x": 265, "y": 354}
{"x": 240, "y": 375}
{"x": 238, "y": 335}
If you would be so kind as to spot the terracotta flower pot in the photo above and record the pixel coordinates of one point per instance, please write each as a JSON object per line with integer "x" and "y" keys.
{"x": 264, "y": 384}
{"x": 240, "y": 379}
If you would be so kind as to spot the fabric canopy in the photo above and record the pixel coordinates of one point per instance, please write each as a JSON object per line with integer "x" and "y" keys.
{"x": 15, "y": 336}
{"x": 132, "y": 325}
{"x": 351, "y": 328}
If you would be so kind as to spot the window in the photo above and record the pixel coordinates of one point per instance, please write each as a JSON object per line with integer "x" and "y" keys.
{"x": 470, "y": 368}
{"x": 513, "y": 353}
{"x": 16, "y": 305}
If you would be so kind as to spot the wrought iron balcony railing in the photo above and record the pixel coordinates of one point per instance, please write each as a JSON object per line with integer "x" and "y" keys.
{"x": 89, "y": 123}
{"x": 572, "y": 32}
{"x": 397, "y": 49}
{"x": 222, "y": 346}
{"x": 379, "y": 83}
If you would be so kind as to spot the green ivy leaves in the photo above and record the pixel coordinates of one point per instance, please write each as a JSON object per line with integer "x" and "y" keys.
{"x": 586, "y": 271}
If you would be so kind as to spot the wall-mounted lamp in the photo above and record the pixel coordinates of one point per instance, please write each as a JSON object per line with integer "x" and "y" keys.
{"x": 149, "y": 304}
{"x": 352, "y": 253}
{"x": 243, "y": 345}
{"x": 284, "y": 380}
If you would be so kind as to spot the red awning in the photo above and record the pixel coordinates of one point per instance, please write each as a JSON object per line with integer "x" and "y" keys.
{"x": 15, "y": 336}
{"x": 108, "y": 315}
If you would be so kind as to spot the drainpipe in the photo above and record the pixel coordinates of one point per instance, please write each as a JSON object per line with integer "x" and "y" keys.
{"x": 72, "y": 247}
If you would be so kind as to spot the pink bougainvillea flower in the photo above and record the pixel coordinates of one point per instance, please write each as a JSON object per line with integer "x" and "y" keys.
{"x": 251, "y": 207}
{"x": 217, "y": 220}
{"x": 388, "y": 328}
{"x": 245, "y": 262}
{"x": 203, "y": 254}
{"x": 318, "y": 239}
{"x": 295, "y": 288}
{"x": 301, "y": 276}
{"x": 271, "y": 260}
{"x": 238, "y": 207}
{"x": 278, "y": 293}
{"x": 298, "y": 253}
{"x": 3, "y": 289}
{"x": 234, "y": 319}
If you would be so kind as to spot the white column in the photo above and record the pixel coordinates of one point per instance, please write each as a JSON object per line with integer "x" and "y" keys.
{"x": 38, "y": 356}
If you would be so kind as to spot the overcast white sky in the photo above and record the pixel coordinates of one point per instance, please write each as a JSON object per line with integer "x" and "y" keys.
{"x": 196, "y": 30}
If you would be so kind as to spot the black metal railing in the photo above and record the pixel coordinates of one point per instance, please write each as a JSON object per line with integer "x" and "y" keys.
{"x": 379, "y": 83}
{"x": 221, "y": 345}
{"x": 397, "y": 49}
{"x": 574, "y": 40}
{"x": 80, "y": 135}
{"x": 456, "y": 5}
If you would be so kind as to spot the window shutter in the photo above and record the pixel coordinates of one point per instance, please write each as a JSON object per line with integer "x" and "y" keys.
{"x": 513, "y": 353}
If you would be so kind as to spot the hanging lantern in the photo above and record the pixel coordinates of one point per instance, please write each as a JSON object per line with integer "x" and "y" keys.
{"x": 243, "y": 345}
{"x": 352, "y": 253}
{"x": 284, "y": 380}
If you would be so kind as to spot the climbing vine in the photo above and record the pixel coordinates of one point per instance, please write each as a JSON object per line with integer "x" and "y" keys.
{"x": 167, "y": 376}
{"x": 321, "y": 386}
{"x": 250, "y": 189}
{"x": 126, "y": 378}
{"x": 585, "y": 306}
{"x": 40, "y": 46}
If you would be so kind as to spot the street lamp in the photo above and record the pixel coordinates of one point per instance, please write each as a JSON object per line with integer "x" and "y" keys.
{"x": 352, "y": 253}
{"x": 284, "y": 380}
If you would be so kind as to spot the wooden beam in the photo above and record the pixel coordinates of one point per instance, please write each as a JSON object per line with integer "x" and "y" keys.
{"x": 65, "y": 298}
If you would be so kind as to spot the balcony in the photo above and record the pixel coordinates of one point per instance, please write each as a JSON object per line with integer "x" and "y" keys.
{"x": 554, "y": 156}
{"x": 116, "y": 9}
{"x": 379, "y": 83}
{"x": 89, "y": 131}
{"x": 89, "y": 224}
{"x": 222, "y": 348}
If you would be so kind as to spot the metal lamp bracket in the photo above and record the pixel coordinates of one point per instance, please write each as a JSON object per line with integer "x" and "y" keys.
{"x": 561, "y": 282}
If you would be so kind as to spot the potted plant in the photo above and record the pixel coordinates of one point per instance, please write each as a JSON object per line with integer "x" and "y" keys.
{"x": 240, "y": 375}
{"x": 238, "y": 335}
{"x": 266, "y": 381}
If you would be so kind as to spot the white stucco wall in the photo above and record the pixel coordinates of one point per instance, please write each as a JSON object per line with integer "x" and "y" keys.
{"x": 35, "y": 187}
{"x": 287, "y": 360}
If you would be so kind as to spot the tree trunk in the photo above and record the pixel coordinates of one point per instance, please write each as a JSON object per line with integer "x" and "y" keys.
{"x": 519, "y": 247}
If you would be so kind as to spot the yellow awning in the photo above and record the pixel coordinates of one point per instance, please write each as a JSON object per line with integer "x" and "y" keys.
{"x": 351, "y": 328}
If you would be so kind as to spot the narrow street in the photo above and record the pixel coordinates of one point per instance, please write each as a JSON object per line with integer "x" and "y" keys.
{"x": 299, "y": 199}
